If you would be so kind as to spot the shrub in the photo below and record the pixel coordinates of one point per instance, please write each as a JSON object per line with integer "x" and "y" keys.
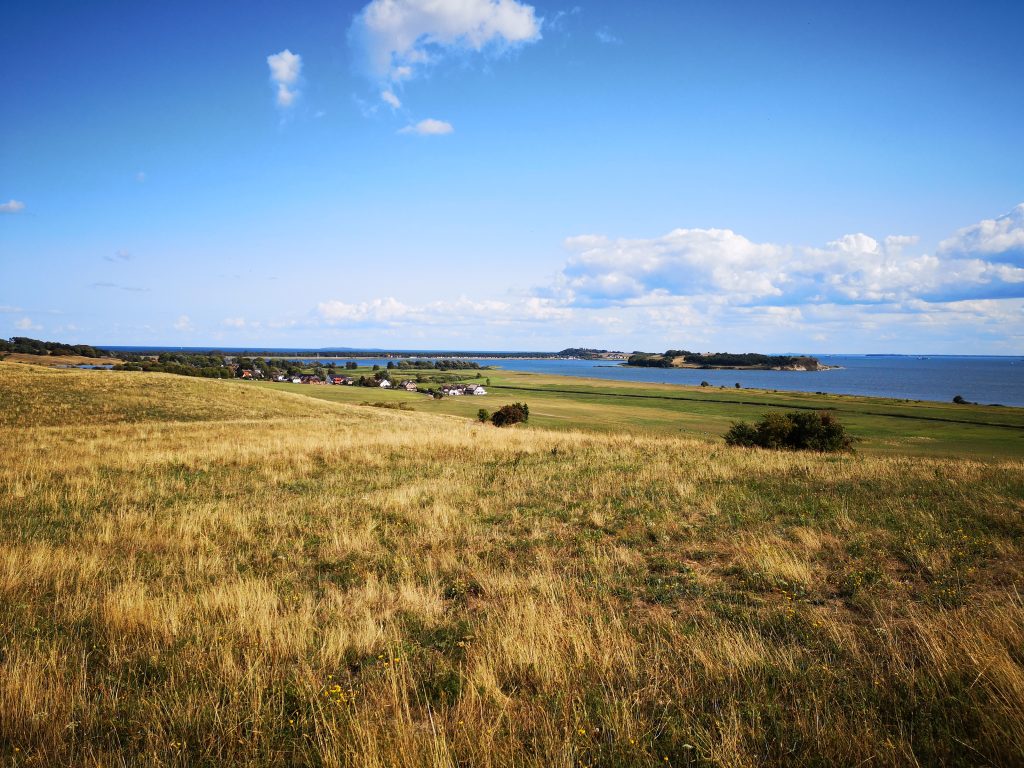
{"x": 742, "y": 433}
{"x": 795, "y": 430}
{"x": 959, "y": 400}
{"x": 510, "y": 414}
{"x": 482, "y": 415}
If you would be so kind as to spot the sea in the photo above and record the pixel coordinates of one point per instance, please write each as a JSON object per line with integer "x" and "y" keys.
{"x": 940, "y": 378}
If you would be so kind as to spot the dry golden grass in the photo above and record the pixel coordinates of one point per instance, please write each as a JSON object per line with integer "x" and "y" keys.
{"x": 200, "y": 572}
{"x": 58, "y": 361}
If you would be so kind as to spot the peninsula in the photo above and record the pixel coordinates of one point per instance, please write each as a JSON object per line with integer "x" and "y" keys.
{"x": 681, "y": 358}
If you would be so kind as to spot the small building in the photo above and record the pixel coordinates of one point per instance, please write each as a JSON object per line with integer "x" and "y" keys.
{"x": 476, "y": 390}
{"x": 384, "y": 384}
{"x": 409, "y": 386}
{"x": 247, "y": 374}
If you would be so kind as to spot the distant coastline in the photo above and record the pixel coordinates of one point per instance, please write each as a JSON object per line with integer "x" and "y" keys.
{"x": 747, "y": 361}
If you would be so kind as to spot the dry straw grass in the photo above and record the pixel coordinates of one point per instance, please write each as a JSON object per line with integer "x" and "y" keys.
{"x": 203, "y": 573}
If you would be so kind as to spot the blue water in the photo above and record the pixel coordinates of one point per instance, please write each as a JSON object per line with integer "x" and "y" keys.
{"x": 978, "y": 379}
{"x": 987, "y": 380}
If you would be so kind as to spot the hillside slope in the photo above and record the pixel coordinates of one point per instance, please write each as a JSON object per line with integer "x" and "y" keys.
{"x": 198, "y": 572}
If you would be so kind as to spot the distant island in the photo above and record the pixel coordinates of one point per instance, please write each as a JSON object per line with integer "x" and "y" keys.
{"x": 585, "y": 353}
{"x": 681, "y": 358}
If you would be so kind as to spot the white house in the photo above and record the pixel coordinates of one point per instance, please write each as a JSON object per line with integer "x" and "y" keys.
{"x": 385, "y": 384}
{"x": 477, "y": 390}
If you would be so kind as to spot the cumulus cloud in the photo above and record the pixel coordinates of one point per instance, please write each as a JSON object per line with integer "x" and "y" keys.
{"x": 183, "y": 323}
{"x": 26, "y": 324}
{"x": 389, "y": 98}
{"x": 854, "y": 268}
{"x": 399, "y": 36}
{"x": 428, "y": 127}
{"x": 285, "y": 69}
{"x": 1000, "y": 239}
{"x": 234, "y": 322}
{"x": 12, "y": 206}
{"x": 376, "y": 311}
{"x": 682, "y": 262}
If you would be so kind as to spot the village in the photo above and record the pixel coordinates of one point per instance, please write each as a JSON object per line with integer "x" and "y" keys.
{"x": 378, "y": 380}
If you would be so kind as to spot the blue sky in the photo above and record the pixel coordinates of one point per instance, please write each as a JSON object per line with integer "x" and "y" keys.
{"x": 493, "y": 174}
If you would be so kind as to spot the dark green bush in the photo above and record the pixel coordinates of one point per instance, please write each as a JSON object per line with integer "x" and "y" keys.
{"x": 513, "y": 413}
{"x": 795, "y": 431}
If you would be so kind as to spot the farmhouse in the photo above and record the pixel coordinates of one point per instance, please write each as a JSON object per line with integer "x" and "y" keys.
{"x": 456, "y": 390}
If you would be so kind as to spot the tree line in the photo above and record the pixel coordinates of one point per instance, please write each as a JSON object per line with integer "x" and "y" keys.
{"x": 26, "y": 346}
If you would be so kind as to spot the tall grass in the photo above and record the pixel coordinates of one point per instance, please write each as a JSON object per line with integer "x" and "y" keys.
{"x": 203, "y": 573}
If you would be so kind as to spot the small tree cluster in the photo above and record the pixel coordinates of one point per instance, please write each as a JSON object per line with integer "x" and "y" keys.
{"x": 795, "y": 430}
{"x": 510, "y": 414}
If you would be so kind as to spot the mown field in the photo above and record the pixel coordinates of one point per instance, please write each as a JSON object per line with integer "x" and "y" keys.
{"x": 207, "y": 573}
{"x": 883, "y": 426}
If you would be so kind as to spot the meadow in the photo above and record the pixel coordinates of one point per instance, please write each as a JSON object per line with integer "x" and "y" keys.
{"x": 883, "y": 426}
{"x": 203, "y": 573}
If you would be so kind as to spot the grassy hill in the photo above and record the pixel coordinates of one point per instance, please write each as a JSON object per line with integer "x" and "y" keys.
{"x": 198, "y": 572}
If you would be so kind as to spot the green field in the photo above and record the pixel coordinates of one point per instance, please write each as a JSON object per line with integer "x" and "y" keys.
{"x": 558, "y": 402}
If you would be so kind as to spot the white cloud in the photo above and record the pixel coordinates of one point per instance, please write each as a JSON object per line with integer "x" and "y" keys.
{"x": 854, "y": 268}
{"x": 12, "y": 206}
{"x": 399, "y": 36}
{"x": 390, "y": 312}
{"x": 1000, "y": 237}
{"x": 376, "y": 311}
{"x": 285, "y": 69}
{"x": 429, "y": 127}
{"x": 603, "y": 35}
{"x": 388, "y": 97}
{"x": 234, "y": 322}
{"x": 683, "y": 262}
{"x": 183, "y": 323}
{"x": 120, "y": 255}
{"x": 26, "y": 324}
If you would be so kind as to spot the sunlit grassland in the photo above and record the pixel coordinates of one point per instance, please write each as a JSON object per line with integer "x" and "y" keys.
{"x": 884, "y": 426}
{"x": 57, "y": 361}
{"x": 198, "y": 572}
